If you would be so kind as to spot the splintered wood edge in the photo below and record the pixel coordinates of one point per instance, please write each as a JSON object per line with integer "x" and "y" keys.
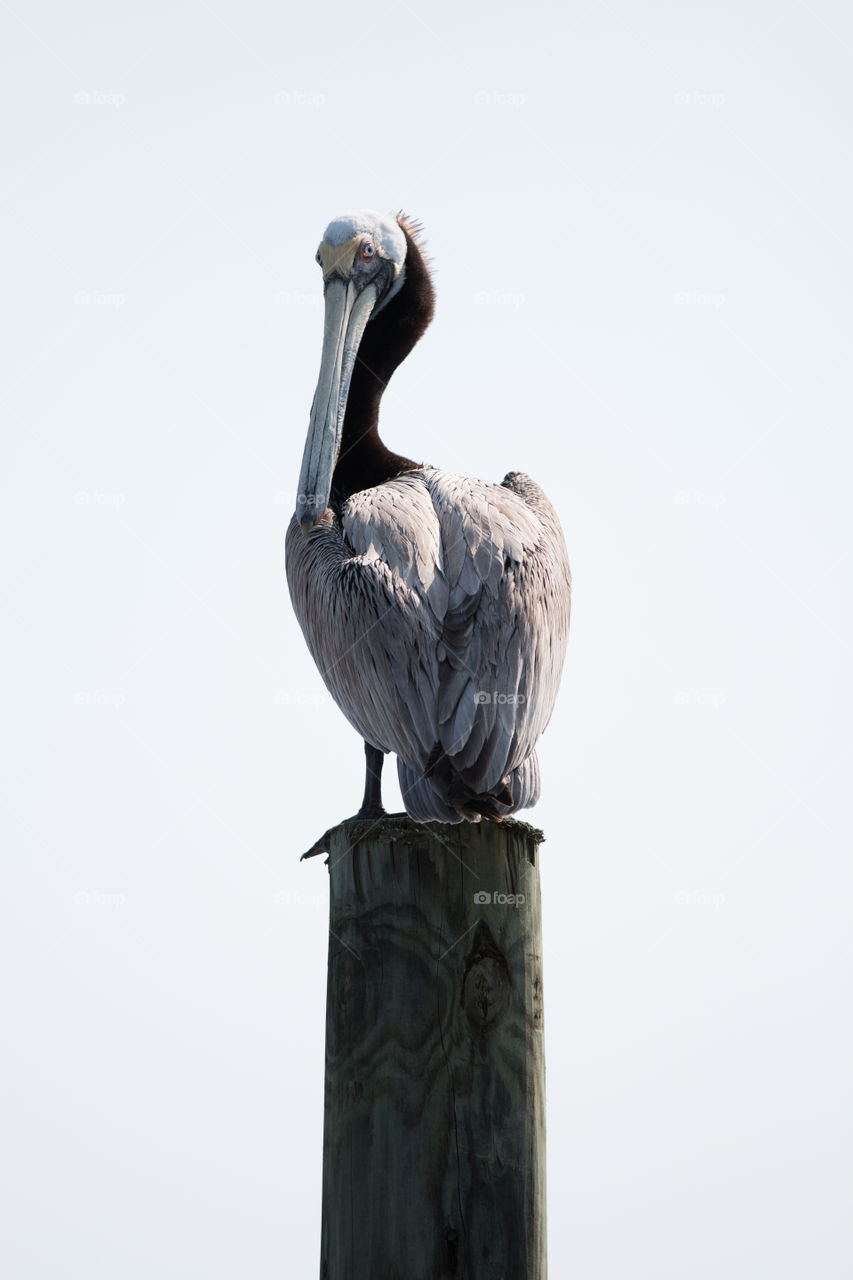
{"x": 401, "y": 828}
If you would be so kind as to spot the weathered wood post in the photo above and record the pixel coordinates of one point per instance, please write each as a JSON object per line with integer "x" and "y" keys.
{"x": 434, "y": 1140}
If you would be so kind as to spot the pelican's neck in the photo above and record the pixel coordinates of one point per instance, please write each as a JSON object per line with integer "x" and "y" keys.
{"x": 364, "y": 460}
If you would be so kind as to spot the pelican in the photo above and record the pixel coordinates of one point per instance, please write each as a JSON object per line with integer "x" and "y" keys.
{"x": 436, "y": 607}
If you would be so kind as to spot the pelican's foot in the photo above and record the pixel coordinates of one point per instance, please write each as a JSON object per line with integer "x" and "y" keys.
{"x": 367, "y": 811}
{"x": 319, "y": 846}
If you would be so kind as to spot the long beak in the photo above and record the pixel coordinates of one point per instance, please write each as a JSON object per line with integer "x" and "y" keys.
{"x": 347, "y": 312}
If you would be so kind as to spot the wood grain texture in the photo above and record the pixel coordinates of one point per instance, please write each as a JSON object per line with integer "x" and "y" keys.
{"x": 434, "y": 1142}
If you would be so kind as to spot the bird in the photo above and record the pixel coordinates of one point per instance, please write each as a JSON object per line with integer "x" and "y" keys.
{"x": 435, "y": 606}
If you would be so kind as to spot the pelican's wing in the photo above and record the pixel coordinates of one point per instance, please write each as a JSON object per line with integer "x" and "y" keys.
{"x": 505, "y": 630}
{"x": 368, "y": 592}
{"x": 437, "y": 612}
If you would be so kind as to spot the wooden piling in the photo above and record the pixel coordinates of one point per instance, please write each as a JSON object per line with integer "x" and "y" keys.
{"x": 434, "y": 1137}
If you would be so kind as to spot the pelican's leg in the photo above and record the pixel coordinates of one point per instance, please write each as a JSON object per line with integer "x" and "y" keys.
{"x": 371, "y": 805}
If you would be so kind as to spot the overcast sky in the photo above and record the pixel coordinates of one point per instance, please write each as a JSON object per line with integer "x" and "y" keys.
{"x": 640, "y": 219}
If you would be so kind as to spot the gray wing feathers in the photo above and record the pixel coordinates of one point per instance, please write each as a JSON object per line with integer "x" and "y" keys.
{"x": 437, "y": 611}
{"x": 419, "y": 796}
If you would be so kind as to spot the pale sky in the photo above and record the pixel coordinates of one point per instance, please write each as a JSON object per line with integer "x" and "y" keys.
{"x": 639, "y": 216}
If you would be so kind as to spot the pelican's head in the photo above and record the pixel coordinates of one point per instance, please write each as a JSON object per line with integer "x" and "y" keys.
{"x": 363, "y": 256}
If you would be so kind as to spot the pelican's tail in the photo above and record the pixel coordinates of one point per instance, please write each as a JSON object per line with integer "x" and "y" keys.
{"x": 439, "y": 798}
{"x": 524, "y": 783}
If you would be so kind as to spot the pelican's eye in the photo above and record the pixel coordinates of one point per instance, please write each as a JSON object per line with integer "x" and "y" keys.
{"x": 318, "y": 259}
{"x": 368, "y": 250}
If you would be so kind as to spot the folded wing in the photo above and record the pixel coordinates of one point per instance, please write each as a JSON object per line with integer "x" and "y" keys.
{"x": 437, "y": 611}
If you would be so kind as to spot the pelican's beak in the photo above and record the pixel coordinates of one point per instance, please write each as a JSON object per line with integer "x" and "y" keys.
{"x": 347, "y": 312}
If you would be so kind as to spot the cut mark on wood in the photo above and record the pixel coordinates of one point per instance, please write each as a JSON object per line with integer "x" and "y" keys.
{"x": 451, "y": 1247}
{"x": 487, "y": 984}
